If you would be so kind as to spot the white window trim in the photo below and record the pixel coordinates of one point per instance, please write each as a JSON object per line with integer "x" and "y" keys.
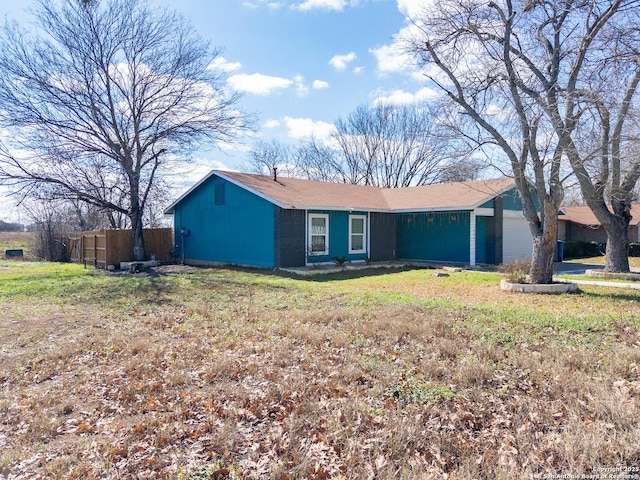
{"x": 364, "y": 233}
{"x": 326, "y": 233}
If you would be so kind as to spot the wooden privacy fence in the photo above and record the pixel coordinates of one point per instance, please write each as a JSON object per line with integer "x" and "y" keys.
{"x": 110, "y": 247}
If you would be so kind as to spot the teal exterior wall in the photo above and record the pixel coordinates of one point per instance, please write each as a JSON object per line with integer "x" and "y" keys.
{"x": 239, "y": 227}
{"x": 239, "y": 231}
{"x": 511, "y": 201}
{"x": 338, "y": 237}
{"x": 440, "y": 236}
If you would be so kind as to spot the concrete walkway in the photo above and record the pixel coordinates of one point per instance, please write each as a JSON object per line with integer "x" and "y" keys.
{"x": 575, "y": 268}
{"x": 633, "y": 286}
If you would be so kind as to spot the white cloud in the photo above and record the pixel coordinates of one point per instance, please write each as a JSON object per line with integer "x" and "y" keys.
{"x": 258, "y": 3}
{"x": 306, "y": 127}
{"x": 340, "y": 62}
{"x": 401, "y": 97}
{"x": 336, "y": 5}
{"x": 258, "y": 84}
{"x": 301, "y": 89}
{"x": 392, "y": 58}
{"x": 271, "y": 124}
{"x": 494, "y": 110}
{"x": 221, "y": 63}
{"x": 412, "y": 8}
{"x": 320, "y": 84}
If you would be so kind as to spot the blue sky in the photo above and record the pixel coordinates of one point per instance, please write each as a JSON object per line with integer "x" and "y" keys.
{"x": 301, "y": 64}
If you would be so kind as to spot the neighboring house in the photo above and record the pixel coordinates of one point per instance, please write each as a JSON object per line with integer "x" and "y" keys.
{"x": 263, "y": 221}
{"x": 578, "y": 223}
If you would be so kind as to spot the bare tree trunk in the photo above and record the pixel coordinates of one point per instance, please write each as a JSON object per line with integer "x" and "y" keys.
{"x": 617, "y": 252}
{"x": 137, "y": 232}
{"x": 544, "y": 247}
{"x": 542, "y": 256}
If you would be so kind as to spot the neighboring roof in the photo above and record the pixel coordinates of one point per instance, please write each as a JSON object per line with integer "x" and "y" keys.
{"x": 309, "y": 194}
{"x": 582, "y": 215}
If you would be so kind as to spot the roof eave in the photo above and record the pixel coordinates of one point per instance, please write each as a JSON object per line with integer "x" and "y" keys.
{"x": 494, "y": 195}
{"x": 170, "y": 210}
{"x": 433, "y": 209}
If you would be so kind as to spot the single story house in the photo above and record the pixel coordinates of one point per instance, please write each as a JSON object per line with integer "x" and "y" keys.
{"x": 578, "y": 223}
{"x": 268, "y": 221}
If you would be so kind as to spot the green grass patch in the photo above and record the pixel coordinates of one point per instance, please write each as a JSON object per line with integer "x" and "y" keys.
{"x": 417, "y": 390}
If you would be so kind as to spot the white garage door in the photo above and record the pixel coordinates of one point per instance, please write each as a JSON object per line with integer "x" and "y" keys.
{"x": 516, "y": 239}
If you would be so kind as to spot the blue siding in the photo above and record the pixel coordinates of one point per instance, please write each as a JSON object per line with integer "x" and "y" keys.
{"x": 488, "y": 204}
{"x": 241, "y": 231}
{"x": 511, "y": 201}
{"x": 434, "y": 236}
{"x": 338, "y": 237}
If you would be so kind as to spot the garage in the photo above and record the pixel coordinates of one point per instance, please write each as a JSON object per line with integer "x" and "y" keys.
{"x": 517, "y": 242}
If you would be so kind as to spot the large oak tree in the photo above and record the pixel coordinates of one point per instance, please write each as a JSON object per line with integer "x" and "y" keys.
{"x": 100, "y": 99}
{"x": 523, "y": 76}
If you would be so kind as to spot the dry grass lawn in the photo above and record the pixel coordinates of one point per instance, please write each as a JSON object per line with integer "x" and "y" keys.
{"x": 14, "y": 240}
{"x": 185, "y": 373}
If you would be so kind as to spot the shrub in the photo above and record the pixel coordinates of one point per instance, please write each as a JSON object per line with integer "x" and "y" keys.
{"x": 340, "y": 261}
{"x": 572, "y": 249}
{"x": 516, "y": 271}
{"x": 634, "y": 249}
{"x": 577, "y": 249}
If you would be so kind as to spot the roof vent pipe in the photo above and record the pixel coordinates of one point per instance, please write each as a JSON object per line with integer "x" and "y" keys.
{"x": 275, "y": 174}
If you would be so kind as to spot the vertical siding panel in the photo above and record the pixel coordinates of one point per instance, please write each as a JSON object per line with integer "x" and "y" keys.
{"x": 383, "y": 237}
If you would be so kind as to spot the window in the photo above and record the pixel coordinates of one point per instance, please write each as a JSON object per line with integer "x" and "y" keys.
{"x": 357, "y": 233}
{"x": 219, "y": 194}
{"x": 319, "y": 234}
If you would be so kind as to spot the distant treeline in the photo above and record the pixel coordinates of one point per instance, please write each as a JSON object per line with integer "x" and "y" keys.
{"x": 11, "y": 227}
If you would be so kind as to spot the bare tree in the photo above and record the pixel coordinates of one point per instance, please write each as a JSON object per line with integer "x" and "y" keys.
{"x": 602, "y": 108}
{"x": 316, "y": 160}
{"x": 265, "y": 156}
{"x": 387, "y": 146}
{"x": 51, "y": 228}
{"x": 102, "y": 98}
{"x": 516, "y": 71}
{"x": 391, "y": 146}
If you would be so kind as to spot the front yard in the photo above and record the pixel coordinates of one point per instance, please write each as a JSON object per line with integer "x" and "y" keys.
{"x": 220, "y": 373}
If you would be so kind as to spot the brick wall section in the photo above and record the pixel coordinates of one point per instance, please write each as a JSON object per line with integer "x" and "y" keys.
{"x": 289, "y": 238}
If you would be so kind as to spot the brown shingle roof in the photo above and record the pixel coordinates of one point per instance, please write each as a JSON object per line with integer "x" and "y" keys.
{"x": 299, "y": 193}
{"x": 309, "y": 194}
{"x": 460, "y": 195}
{"x": 582, "y": 214}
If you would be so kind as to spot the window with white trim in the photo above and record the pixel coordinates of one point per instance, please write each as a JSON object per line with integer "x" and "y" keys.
{"x": 357, "y": 233}
{"x": 318, "y": 234}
